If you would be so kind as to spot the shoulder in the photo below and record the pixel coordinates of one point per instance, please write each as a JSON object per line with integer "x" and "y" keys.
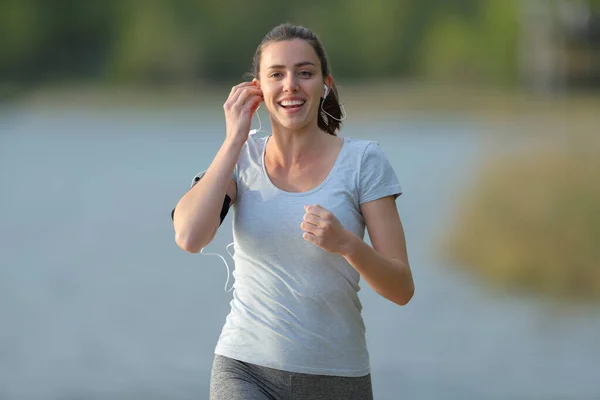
{"x": 252, "y": 151}
{"x": 365, "y": 150}
{"x": 256, "y": 142}
{"x": 357, "y": 144}
{"x": 253, "y": 148}
{"x": 250, "y": 159}
{"x": 375, "y": 176}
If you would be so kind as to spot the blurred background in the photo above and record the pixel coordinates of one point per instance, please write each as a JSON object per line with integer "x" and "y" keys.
{"x": 489, "y": 111}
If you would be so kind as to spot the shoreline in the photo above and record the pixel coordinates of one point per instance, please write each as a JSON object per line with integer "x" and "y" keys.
{"x": 378, "y": 98}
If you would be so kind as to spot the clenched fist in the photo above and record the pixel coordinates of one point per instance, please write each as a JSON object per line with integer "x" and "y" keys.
{"x": 323, "y": 229}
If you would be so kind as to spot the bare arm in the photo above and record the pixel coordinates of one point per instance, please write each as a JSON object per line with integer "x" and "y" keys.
{"x": 197, "y": 215}
{"x": 384, "y": 266}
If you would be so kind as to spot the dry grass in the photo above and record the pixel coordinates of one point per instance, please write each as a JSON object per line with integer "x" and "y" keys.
{"x": 531, "y": 222}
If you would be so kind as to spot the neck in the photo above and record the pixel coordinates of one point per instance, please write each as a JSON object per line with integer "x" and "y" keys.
{"x": 287, "y": 148}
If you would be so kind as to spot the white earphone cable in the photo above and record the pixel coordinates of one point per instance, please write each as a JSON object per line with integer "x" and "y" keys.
{"x": 225, "y": 261}
{"x": 254, "y": 131}
{"x": 341, "y": 107}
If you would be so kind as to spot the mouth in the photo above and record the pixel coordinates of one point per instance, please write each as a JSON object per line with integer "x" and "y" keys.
{"x": 291, "y": 104}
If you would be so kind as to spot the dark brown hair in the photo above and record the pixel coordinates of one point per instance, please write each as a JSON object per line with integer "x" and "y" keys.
{"x": 285, "y": 32}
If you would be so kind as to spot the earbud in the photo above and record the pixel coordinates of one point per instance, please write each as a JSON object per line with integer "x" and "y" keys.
{"x": 343, "y": 116}
{"x": 255, "y": 131}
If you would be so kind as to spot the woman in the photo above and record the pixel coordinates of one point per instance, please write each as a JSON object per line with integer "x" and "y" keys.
{"x": 302, "y": 197}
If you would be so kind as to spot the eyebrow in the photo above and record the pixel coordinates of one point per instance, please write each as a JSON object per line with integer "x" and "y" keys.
{"x": 300, "y": 64}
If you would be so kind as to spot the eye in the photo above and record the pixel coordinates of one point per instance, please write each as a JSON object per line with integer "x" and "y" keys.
{"x": 306, "y": 74}
{"x": 275, "y": 75}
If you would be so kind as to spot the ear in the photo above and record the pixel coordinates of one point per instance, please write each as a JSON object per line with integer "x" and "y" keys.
{"x": 329, "y": 82}
{"x": 256, "y": 82}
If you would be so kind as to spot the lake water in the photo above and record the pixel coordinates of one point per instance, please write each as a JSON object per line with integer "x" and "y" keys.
{"x": 97, "y": 301}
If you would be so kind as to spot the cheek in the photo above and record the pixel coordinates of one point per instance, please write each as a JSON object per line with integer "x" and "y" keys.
{"x": 269, "y": 102}
{"x": 267, "y": 94}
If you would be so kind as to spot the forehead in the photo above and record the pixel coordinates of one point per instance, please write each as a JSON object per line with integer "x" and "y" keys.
{"x": 288, "y": 53}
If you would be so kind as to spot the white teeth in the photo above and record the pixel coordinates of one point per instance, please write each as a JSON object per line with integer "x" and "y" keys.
{"x": 287, "y": 103}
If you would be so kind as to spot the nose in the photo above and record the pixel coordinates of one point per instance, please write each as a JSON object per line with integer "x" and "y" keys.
{"x": 290, "y": 84}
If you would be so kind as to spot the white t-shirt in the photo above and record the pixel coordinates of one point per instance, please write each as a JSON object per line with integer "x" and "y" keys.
{"x": 295, "y": 306}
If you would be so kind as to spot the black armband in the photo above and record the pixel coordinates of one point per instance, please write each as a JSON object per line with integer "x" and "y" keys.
{"x": 226, "y": 201}
{"x": 225, "y": 208}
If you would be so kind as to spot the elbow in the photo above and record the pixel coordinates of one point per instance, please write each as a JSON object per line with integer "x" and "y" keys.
{"x": 185, "y": 244}
{"x": 402, "y": 294}
{"x": 404, "y": 289}
{"x": 189, "y": 244}
{"x": 406, "y": 296}
{"x": 193, "y": 240}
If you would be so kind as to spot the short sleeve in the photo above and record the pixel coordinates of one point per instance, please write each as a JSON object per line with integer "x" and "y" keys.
{"x": 377, "y": 178}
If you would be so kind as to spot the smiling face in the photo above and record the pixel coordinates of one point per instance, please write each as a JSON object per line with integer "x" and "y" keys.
{"x": 292, "y": 83}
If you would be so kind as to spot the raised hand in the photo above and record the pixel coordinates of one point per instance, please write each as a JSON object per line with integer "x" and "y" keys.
{"x": 243, "y": 101}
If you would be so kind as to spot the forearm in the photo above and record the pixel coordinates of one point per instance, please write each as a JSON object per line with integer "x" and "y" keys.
{"x": 196, "y": 214}
{"x": 391, "y": 278}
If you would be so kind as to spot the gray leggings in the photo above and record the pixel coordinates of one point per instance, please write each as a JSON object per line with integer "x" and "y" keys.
{"x": 236, "y": 380}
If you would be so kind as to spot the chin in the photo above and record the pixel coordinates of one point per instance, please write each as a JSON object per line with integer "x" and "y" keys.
{"x": 296, "y": 127}
{"x": 296, "y": 123}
